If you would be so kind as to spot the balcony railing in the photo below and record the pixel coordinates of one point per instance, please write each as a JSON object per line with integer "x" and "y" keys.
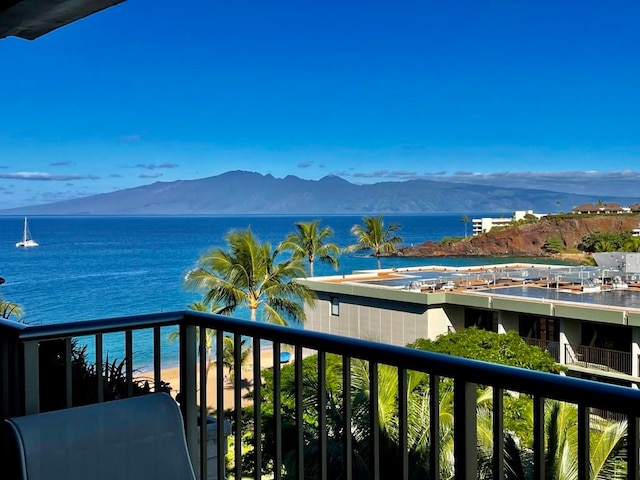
{"x": 598, "y": 358}
{"x": 290, "y": 440}
{"x": 551, "y": 347}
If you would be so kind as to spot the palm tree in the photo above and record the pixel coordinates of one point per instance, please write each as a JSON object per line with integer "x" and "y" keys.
{"x": 465, "y": 220}
{"x": 210, "y": 334}
{"x": 308, "y": 242}
{"x": 632, "y": 245}
{"x": 605, "y": 246}
{"x": 373, "y": 236}
{"x": 246, "y": 273}
{"x": 229, "y": 356}
{"x": 606, "y": 437}
{"x": 9, "y": 308}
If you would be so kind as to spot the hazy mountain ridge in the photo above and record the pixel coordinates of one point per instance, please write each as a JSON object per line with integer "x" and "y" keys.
{"x": 240, "y": 192}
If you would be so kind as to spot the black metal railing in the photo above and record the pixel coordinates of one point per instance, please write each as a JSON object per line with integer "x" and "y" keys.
{"x": 598, "y": 358}
{"x": 286, "y": 440}
{"x": 549, "y": 346}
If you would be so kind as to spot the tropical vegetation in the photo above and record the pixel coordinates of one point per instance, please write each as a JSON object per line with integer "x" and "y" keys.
{"x": 209, "y": 333}
{"x": 607, "y": 444}
{"x": 504, "y": 348}
{"x": 9, "y": 309}
{"x": 310, "y": 242}
{"x": 554, "y": 244}
{"x": 608, "y": 242}
{"x": 465, "y": 219}
{"x": 248, "y": 273}
{"x": 373, "y": 236}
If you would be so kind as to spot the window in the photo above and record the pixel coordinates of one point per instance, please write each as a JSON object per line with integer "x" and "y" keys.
{"x": 335, "y": 307}
{"x": 482, "y": 319}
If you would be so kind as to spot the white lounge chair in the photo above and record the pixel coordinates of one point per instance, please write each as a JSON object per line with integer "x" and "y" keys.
{"x": 137, "y": 438}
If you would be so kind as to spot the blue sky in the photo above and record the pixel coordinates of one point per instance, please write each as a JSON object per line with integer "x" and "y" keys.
{"x": 525, "y": 93}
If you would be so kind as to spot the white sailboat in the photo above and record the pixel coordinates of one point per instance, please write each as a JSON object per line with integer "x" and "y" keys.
{"x": 27, "y": 241}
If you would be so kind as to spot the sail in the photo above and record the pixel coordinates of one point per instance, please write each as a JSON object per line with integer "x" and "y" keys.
{"x": 27, "y": 241}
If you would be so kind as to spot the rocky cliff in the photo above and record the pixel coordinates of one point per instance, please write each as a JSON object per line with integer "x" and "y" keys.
{"x": 528, "y": 239}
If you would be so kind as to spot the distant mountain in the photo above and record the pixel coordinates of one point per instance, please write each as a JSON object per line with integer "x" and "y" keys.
{"x": 240, "y": 192}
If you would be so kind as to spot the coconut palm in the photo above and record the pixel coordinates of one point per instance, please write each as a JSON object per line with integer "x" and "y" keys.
{"x": 418, "y": 405}
{"x": 210, "y": 334}
{"x": 464, "y": 219}
{"x": 605, "y": 246}
{"x": 632, "y": 245}
{"x": 10, "y": 308}
{"x": 606, "y": 437}
{"x": 229, "y": 355}
{"x": 309, "y": 242}
{"x": 246, "y": 273}
{"x": 373, "y": 236}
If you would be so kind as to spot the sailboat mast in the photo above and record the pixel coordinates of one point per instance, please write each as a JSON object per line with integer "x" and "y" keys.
{"x": 24, "y": 234}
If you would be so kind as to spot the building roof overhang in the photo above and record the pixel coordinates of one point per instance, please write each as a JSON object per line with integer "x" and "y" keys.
{"x": 30, "y": 19}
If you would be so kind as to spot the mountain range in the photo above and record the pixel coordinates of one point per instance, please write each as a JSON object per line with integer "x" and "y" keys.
{"x": 241, "y": 192}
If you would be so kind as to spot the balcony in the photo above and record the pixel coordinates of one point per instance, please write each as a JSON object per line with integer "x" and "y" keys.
{"x": 316, "y": 435}
{"x": 551, "y": 347}
{"x": 602, "y": 359}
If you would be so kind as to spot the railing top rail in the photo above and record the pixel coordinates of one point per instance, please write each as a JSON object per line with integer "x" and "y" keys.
{"x": 599, "y": 349}
{"x": 595, "y": 394}
{"x": 11, "y": 325}
{"x": 105, "y": 325}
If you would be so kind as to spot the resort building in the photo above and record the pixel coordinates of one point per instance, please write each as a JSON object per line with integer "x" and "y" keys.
{"x": 606, "y": 208}
{"x": 483, "y": 225}
{"x": 587, "y": 318}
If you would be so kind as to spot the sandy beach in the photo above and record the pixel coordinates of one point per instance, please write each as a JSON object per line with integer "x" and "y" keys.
{"x": 172, "y": 376}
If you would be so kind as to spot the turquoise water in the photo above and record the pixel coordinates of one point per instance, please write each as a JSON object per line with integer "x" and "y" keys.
{"x": 100, "y": 267}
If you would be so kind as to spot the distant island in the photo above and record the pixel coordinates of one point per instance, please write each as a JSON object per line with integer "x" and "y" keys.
{"x": 551, "y": 236}
{"x": 249, "y": 193}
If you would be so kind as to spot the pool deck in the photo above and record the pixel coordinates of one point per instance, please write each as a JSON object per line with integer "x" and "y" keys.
{"x": 555, "y": 279}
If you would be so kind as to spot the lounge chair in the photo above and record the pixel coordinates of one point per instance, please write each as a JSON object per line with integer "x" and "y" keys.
{"x": 137, "y": 438}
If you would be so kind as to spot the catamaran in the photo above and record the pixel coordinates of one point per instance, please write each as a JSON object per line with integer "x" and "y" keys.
{"x": 27, "y": 241}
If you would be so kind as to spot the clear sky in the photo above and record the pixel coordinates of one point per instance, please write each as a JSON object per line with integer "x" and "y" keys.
{"x": 525, "y": 93}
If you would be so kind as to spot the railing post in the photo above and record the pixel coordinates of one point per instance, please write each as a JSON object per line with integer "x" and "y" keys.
{"x": 498, "y": 432}
{"x": 635, "y": 352}
{"x": 188, "y": 401}
{"x": 583, "y": 442}
{"x": 538, "y": 438}
{"x": 403, "y": 421}
{"x": 31, "y": 364}
{"x": 434, "y": 426}
{"x": 11, "y": 386}
{"x": 465, "y": 439}
{"x": 347, "y": 462}
{"x": 633, "y": 447}
{"x": 374, "y": 421}
{"x": 299, "y": 390}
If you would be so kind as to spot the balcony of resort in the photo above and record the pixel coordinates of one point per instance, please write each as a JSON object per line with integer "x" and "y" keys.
{"x": 594, "y": 358}
{"x": 352, "y": 409}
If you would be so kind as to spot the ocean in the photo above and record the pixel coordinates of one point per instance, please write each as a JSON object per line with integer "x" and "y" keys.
{"x": 100, "y": 267}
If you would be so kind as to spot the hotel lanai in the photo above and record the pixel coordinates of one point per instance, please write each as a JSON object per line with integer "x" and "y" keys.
{"x": 588, "y": 318}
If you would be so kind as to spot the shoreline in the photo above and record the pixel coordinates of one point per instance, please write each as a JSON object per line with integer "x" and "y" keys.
{"x": 171, "y": 375}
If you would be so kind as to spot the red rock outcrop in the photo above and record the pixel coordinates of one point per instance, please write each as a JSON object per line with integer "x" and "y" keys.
{"x": 527, "y": 240}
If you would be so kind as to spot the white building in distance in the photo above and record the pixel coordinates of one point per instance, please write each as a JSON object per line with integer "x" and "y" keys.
{"x": 483, "y": 225}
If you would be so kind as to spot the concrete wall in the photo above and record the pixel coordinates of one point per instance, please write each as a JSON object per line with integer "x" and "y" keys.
{"x": 508, "y": 321}
{"x": 398, "y": 318}
{"x": 381, "y": 321}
